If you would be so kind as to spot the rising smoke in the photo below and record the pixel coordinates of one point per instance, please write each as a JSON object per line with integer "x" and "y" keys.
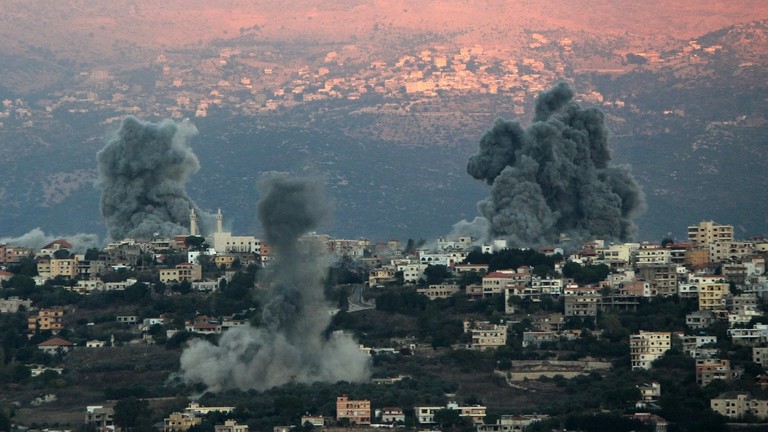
{"x": 142, "y": 173}
{"x": 291, "y": 345}
{"x": 553, "y": 180}
{"x": 37, "y": 238}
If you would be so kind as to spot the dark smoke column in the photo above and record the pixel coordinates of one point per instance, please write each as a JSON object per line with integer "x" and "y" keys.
{"x": 142, "y": 173}
{"x": 553, "y": 180}
{"x": 291, "y": 345}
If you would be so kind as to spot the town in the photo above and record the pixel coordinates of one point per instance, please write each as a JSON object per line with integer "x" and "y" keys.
{"x": 635, "y": 324}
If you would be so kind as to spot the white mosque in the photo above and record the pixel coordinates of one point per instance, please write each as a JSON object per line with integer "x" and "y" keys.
{"x": 224, "y": 242}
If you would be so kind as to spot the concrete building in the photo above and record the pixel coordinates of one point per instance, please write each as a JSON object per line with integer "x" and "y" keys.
{"x": 581, "y": 301}
{"x": 101, "y": 417}
{"x": 512, "y": 423}
{"x": 709, "y": 232}
{"x": 180, "y": 421}
{"x": 646, "y": 347}
{"x": 426, "y": 414}
{"x": 713, "y": 292}
{"x": 184, "y": 272}
{"x": 231, "y": 426}
{"x": 13, "y": 304}
{"x": 46, "y": 319}
{"x": 738, "y": 404}
{"x": 439, "y": 291}
{"x": 708, "y": 370}
{"x": 357, "y": 411}
{"x": 485, "y": 335}
{"x": 663, "y": 277}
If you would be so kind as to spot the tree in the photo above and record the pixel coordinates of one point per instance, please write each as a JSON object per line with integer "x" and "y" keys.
{"x": 450, "y": 419}
{"x": 436, "y": 274}
{"x": 61, "y": 254}
{"x": 133, "y": 414}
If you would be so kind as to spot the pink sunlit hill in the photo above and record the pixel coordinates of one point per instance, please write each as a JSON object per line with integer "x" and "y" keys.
{"x": 92, "y": 28}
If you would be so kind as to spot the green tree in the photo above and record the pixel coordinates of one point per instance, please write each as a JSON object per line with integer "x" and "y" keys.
{"x": 133, "y": 414}
{"x": 436, "y": 274}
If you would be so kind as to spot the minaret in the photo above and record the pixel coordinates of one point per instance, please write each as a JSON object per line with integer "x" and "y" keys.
{"x": 192, "y": 223}
{"x": 219, "y": 220}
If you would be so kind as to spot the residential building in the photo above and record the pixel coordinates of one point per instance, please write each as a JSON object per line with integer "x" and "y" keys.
{"x": 13, "y": 304}
{"x": 101, "y": 417}
{"x": 760, "y": 356}
{"x": 736, "y": 405}
{"x": 581, "y": 301}
{"x": 713, "y": 291}
{"x": 357, "y": 411}
{"x": 180, "y": 421}
{"x": 754, "y": 336}
{"x": 709, "y": 232}
{"x": 652, "y": 254}
{"x": 56, "y": 345}
{"x": 650, "y": 392}
{"x": 46, "y": 319}
{"x": 485, "y": 335}
{"x": 663, "y": 277}
{"x": 184, "y": 272}
{"x": 708, "y": 370}
{"x": 732, "y": 251}
{"x": 700, "y": 319}
{"x": 391, "y": 415}
{"x": 426, "y": 414}
{"x": 645, "y": 347}
{"x": 203, "y": 324}
{"x": 657, "y": 423}
{"x": 231, "y": 426}
{"x": 439, "y": 291}
{"x": 313, "y": 420}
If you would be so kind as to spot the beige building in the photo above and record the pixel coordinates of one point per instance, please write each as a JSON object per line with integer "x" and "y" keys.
{"x": 182, "y": 272}
{"x": 713, "y": 291}
{"x": 646, "y": 347}
{"x": 180, "y": 422}
{"x": 46, "y": 319}
{"x": 737, "y": 404}
{"x": 357, "y": 411}
{"x": 439, "y": 291}
{"x": 64, "y": 267}
{"x": 486, "y": 335}
{"x": 231, "y": 426}
{"x": 708, "y": 232}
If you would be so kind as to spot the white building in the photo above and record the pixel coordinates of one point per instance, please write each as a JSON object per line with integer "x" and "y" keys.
{"x": 646, "y": 347}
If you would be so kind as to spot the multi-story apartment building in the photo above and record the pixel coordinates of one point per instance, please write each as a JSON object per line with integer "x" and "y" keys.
{"x": 760, "y": 356}
{"x": 486, "y": 335}
{"x": 357, "y": 411}
{"x": 663, "y": 277}
{"x": 66, "y": 268}
{"x": 646, "y": 347}
{"x": 708, "y": 370}
{"x": 732, "y": 251}
{"x": 713, "y": 291}
{"x": 46, "y": 319}
{"x": 581, "y": 301}
{"x": 709, "y": 232}
{"x": 738, "y": 404}
{"x": 651, "y": 254}
{"x": 184, "y": 272}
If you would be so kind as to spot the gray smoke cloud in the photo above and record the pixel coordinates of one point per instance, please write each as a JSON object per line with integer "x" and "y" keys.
{"x": 553, "y": 179}
{"x": 291, "y": 344}
{"x": 37, "y": 238}
{"x": 142, "y": 172}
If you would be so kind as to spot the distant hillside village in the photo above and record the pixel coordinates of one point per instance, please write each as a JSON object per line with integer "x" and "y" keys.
{"x": 545, "y": 306}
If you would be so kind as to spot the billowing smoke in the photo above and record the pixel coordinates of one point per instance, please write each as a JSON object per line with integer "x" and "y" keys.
{"x": 291, "y": 344}
{"x": 142, "y": 173}
{"x": 553, "y": 181}
{"x": 37, "y": 239}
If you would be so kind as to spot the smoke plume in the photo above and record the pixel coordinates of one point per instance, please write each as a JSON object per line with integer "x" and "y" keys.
{"x": 291, "y": 344}
{"x": 37, "y": 238}
{"x": 553, "y": 180}
{"x": 142, "y": 173}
